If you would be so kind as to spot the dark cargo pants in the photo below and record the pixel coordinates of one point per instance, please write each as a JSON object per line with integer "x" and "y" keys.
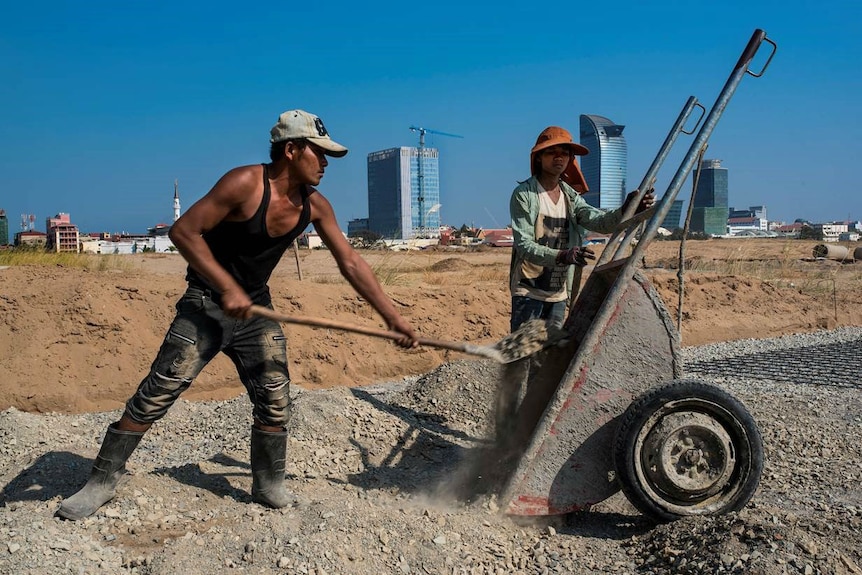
{"x": 200, "y": 330}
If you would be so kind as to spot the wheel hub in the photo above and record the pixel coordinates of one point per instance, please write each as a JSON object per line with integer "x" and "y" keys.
{"x": 689, "y": 455}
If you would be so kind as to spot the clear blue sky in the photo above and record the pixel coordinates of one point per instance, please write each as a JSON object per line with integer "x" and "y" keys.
{"x": 105, "y": 104}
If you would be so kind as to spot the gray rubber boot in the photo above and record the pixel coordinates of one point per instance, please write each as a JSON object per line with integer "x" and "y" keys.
{"x": 109, "y": 467}
{"x": 268, "y": 450}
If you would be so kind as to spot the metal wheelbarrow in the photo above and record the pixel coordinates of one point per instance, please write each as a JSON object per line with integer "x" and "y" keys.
{"x": 608, "y": 408}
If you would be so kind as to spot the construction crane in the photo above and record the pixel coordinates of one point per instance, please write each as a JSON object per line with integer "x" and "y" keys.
{"x": 421, "y": 176}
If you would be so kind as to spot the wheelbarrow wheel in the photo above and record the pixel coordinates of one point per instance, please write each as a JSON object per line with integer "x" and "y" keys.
{"x": 687, "y": 448}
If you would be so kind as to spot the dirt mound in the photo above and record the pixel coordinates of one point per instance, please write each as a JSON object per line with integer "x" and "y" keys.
{"x": 450, "y": 265}
{"x": 75, "y": 340}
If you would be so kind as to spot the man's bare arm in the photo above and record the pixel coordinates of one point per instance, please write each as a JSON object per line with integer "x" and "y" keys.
{"x": 225, "y": 198}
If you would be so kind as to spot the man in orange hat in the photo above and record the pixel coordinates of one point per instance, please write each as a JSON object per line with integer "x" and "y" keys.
{"x": 548, "y": 219}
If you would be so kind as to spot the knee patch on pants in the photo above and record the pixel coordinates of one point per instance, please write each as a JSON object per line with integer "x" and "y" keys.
{"x": 155, "y": 396}
{"x": 272, "y": 401}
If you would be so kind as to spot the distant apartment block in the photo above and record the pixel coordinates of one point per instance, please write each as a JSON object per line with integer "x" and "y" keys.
{"x": 832, "y": 231}
{"x": 606, "y": 165}
{"x": 404, "y": 193}
{"x": 4, "y": 229}
{"x": 357, "y": 226}
{"x": 63, "y": 235}
{"x": 710, "y": 210}
{"x": 30, "y": 238}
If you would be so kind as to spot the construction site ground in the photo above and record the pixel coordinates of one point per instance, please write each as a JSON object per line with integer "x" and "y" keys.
{"x": 379, "y": 435}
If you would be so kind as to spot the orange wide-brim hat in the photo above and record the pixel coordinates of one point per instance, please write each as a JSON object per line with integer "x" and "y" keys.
{"x": 556, "y": 136}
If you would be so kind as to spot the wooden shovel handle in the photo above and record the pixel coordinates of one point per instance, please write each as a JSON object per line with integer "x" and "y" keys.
{"x": 332, "y": 324}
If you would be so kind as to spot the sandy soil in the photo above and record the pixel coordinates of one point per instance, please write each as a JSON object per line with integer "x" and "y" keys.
{"x": 74, "y": 340}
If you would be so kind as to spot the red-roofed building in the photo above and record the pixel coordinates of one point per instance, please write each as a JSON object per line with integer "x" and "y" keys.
{"x": 501, "y": 238}
{"x": 31, "y": 238}
{"x": 791, "y": 230}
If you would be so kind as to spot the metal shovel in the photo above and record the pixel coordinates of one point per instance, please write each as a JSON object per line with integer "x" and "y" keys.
{"x": 516, "y": 346}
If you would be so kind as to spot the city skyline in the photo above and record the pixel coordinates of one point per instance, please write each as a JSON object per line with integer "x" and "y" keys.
{"x": 675, "y": 214}
{"x": 109, "y": 104}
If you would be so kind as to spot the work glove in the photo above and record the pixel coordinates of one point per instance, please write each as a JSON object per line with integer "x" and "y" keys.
{"x": 646, "y": 202}
{"x": 577, "y": 256}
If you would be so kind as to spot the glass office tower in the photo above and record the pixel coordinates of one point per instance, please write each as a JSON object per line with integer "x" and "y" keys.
{"x": 673, "y": 217}
{"x": 404, "y": 192}
{"x": 606, "y": 165}
{"x": 709, "y": 214}
{"x": 711, "y": 186}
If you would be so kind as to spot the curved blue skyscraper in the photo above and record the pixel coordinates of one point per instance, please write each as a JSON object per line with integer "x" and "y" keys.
{"x": 605, "y": 166}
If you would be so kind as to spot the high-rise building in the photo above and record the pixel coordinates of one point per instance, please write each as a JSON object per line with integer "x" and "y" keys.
{"x": 710, "y": 211}
{"x": 4, "y": 228}
{"x": 606, "y": 165}
{"x": 671, "y": 220}
{"x": 404, "y": 193}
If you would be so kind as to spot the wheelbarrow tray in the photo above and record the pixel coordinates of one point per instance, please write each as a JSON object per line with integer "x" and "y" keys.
{"x": 576, "y": 394}
{"x": 697, "y": 451}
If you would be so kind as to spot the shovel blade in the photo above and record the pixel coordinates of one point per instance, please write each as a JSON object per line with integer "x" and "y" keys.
{"x": 532, "y": 337}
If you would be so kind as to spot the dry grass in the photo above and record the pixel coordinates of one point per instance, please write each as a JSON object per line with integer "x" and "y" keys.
{"x": 393, "y": 268}
{"x": 473, "y": 274}
{"x": 782, "y": 263}
{"x": 85, "y": 261}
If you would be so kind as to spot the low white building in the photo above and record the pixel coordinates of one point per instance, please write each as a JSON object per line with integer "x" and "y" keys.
{"x": 746, "y": 224}
{"x": 831, "y": 231}
{"x": 158, "y": 244}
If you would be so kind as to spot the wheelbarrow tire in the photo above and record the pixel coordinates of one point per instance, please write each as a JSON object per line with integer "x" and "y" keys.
{"x": 687, "y": 448}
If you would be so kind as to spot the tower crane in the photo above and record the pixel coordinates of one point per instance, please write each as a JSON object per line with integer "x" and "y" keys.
{"x": 421, "y": 176}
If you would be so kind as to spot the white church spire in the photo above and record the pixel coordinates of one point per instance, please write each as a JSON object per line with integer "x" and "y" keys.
{"x": 176, "y": 201}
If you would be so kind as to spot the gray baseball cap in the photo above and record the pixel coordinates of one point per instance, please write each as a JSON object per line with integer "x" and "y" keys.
{"x": 295, "y": 124}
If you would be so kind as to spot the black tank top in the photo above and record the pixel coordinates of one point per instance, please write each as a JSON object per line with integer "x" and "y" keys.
{"x": 247, "y": 251}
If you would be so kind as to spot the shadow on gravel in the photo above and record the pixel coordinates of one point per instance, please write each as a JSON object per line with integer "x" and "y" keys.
{"x": 617, "y": 526}
{"x": 54, "y": 473}
{"x": 192, "y": 475}
{"x": 62, "y": 473}
{"x": 834, "y": 364}
{"x": 425, "y": 461}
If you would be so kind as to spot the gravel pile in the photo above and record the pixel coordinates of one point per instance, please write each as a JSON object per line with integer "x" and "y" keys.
{"x": 389, "y": 479}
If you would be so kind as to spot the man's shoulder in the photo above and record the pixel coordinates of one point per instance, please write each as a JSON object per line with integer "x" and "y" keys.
{"x": 318, "y": 202}
{"x": 248, "y": 171}
{"x": 528, "y": 185}
{"x": 244, "y": 175}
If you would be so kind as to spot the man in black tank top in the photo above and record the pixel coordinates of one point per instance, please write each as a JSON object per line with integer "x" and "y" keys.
{"x": 232, "y": 239}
